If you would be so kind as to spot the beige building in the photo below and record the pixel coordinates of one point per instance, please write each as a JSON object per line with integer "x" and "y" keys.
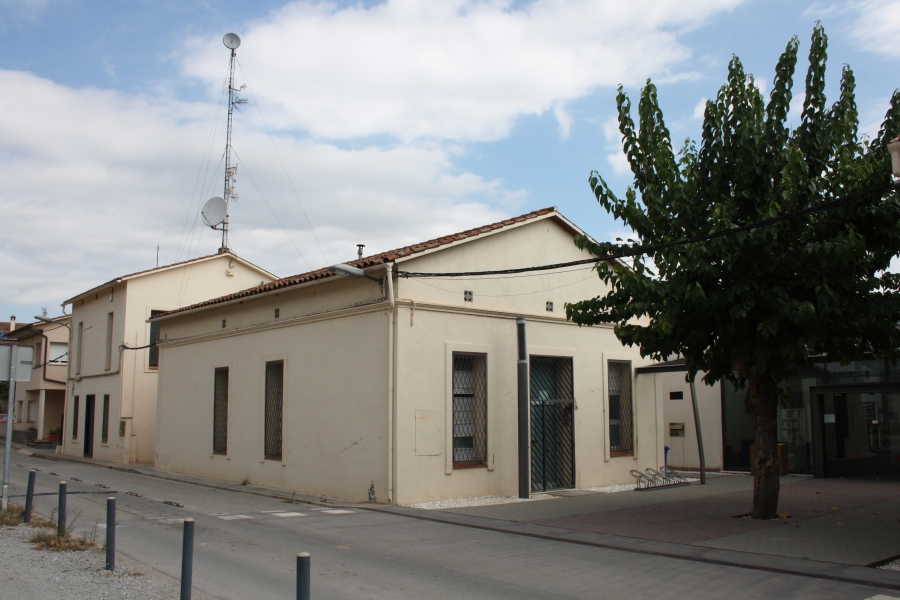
{"x": 111, "y": 402}
{"x": 405, "y": 388}
{"x": 666, "y": 381}
{"x": 40, "y": 402}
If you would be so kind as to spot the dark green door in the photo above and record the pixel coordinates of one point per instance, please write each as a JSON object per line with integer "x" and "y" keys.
{"x": 552, "y": 423}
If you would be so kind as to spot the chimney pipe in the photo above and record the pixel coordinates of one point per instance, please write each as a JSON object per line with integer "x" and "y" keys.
{"x": 359, "y": 251}
{"x": 12, "y": 323}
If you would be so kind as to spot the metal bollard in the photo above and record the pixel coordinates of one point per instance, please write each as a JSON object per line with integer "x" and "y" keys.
{"x": 303, "y": 576}
{"x": 187, "y": 559}
{"x": 29, "y": 497}
{"x": 61, "y": 511}
{"x": 110, "y": 534}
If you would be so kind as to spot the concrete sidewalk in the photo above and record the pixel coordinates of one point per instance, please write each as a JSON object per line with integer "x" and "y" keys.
{"x": 149, "y": 471}
{"x": 833, "y": 528}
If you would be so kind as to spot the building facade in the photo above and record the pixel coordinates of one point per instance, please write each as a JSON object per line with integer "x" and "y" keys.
{"x": 110, "y": 411}
{"x": 405, "y": 388}
{"x": 40, "y": 403}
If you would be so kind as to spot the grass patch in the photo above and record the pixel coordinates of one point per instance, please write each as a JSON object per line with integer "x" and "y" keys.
{"x": 48, "y": 539}
{"x": 46, "y": 536}
{"x": 12, "y": 517}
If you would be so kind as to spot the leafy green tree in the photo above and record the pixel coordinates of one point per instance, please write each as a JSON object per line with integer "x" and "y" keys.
{"x": 751, "y": 306}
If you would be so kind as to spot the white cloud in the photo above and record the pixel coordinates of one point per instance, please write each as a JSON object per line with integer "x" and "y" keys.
{"x": 456, "y": 69}
{"x": 619, "y": 163}
{"x": 611, "y": 129}
{"x": 700, "y": 109}
{"x": 875, "y": 29}
{"x": 93, "y": 180}
{"x": 565, "y": 121}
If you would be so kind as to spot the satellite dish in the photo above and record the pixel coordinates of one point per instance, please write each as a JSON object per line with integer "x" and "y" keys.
{"x": 231, "y": 40}
{"x": 214, "y": 211}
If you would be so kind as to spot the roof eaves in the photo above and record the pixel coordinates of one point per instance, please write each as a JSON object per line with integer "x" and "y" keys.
{"x": 376, "y": 260}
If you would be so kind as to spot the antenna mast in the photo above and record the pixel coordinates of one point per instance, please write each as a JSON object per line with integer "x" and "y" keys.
{"x": 232, "y": 42}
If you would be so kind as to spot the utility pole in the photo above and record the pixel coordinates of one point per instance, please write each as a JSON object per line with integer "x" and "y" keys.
{"x": 10, "y": 412}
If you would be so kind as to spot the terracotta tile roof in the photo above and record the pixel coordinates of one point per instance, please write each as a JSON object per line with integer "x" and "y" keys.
{"x": 4, "y": 325}
{"x": 366, "y": 261}
{"x": 162, "y": 268}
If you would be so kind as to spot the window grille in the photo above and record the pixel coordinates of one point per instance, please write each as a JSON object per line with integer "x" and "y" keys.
{"x": 621, "y": 408}
{"x": 104, "y": 431}
{"x": 220, "y": 411}
{"x": 154, "y": 338}
{"x": 469, "y": 408}
{"x": 79, "y": 347}
{"x": 274, "y": 400}
{"x": 109, "y": 341}
{"x": 75, "y": 418}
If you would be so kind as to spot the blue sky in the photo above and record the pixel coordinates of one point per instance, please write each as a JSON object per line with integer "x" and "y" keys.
{"x": 396, "y": 121}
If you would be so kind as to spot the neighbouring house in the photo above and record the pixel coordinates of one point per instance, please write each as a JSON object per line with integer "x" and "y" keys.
{"x": 402, "y": 388}
{"x": 668, "y": 384}
{"x": 4, "y": 329}
{"x": 40, "y": 403}
{"x": 833, "y": 420}
{"x": 111, "y": 401}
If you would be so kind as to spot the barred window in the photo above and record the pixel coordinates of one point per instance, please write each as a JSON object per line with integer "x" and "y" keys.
{"x": 621, "y": 408}
{"x": 220, "y": 411}
{"x": 75, "y": 418}
{"x": 274, "y": 400}
{"x": 469, "y": 408}
{"x": 104, "y": 431}
{"x": 154, "y": 338}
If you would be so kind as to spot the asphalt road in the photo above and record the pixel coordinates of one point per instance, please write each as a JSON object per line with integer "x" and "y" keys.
{"x": 245, "y": 547}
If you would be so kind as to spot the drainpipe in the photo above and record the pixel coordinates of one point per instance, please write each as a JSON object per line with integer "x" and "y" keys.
{"x": 46, "y": 352}
{"x": 524, "y": 466}
{"x": 389, "y": 278}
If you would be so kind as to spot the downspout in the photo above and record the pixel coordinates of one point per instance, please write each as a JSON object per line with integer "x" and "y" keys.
{"x": 46, "y": 352}
{"x": 389, "y": 277}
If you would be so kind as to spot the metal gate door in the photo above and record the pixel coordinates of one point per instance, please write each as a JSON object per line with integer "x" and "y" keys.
{"x": 552, "y": 423}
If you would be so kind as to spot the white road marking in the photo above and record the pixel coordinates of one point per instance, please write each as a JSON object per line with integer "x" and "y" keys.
{"x": 287, "y": 514}
{"x": 337, "y": 511}
{"x": 172, "y": 521}
{"x": 270, "y": 511}
{"x": 234, "y": 517}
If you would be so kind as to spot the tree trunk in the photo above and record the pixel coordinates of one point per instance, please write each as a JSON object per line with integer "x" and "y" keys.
{"x": 762, "y": 404}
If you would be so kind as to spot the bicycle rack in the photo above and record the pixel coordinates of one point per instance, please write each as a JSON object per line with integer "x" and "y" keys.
{"x": 652, "y": 479}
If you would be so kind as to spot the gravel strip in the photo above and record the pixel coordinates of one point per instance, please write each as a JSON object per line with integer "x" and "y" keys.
{"x": 612, "y": 489}
{"x": 894, "y": 565}
{"x": 479, "y": 501}
{"x": 30, "y": 574}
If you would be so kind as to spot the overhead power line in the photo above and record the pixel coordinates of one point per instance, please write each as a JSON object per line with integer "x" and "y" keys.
{"x": 639, "y": 250}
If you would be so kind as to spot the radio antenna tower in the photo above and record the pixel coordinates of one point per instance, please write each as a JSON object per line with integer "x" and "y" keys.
{"x": 212, "y": 212}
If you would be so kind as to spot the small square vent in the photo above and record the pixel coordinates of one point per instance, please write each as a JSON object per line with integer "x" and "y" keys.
{"x": 468, "y": 296}
{"x": 549, "y": 307}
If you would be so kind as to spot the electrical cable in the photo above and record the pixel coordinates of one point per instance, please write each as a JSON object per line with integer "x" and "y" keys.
{"x": 271, "y": 139}
{"x": 207, "y": 157}
{"x": 247, "y": 171}
{"x": 480, "y": 295}
{"x": 639, "y": 250}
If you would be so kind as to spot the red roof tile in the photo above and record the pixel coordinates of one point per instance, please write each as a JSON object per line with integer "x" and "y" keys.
{"x": 365, "y": 262}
